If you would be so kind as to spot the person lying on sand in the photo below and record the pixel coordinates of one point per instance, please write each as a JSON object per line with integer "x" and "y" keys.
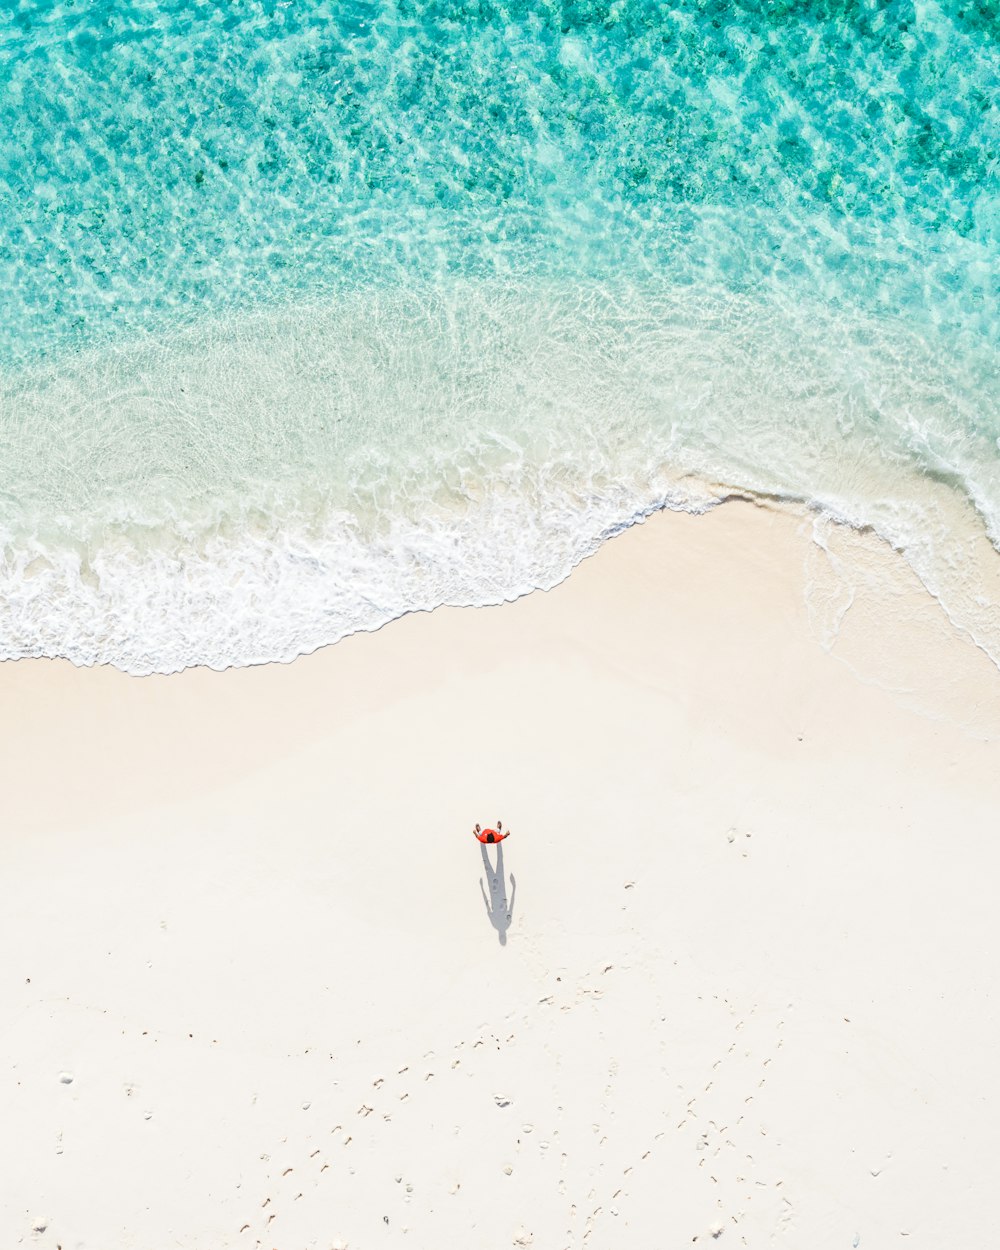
{"x": 490, "y": 835}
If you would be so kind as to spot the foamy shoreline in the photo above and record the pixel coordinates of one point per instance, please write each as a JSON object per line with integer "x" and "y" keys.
{"x": 258, "y": 489}
{"x": 254, "y": 997}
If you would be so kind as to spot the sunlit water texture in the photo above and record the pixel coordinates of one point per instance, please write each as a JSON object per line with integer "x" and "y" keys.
{"x": 318, "y": 313}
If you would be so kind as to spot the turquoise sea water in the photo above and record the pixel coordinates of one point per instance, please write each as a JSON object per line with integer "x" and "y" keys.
{"x": 316, "y": 313}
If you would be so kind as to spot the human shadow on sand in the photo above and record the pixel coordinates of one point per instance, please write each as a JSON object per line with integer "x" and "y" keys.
{"x": 498, "y": 908}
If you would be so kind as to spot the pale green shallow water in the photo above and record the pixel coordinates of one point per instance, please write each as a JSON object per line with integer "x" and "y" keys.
{"x": 315, "y": 314}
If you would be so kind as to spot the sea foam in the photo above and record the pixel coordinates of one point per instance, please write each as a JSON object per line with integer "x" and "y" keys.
{"x": 318, "y": 314}
{"x": 256, "y": 486}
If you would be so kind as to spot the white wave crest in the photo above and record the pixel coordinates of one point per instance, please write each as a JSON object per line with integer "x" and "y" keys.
{"x": 250, "y": 489}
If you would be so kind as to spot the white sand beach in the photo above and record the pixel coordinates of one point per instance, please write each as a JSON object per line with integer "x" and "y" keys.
{"x": 254, "y": 992}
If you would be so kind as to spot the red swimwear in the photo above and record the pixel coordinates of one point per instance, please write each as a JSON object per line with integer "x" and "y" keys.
{"x": 491, "y": 835}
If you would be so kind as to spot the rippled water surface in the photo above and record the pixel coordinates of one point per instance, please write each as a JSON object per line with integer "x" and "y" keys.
{"x": 317, "y": 313}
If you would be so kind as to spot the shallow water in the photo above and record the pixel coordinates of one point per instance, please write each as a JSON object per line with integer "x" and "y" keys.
{"x": 319, "y": 313}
